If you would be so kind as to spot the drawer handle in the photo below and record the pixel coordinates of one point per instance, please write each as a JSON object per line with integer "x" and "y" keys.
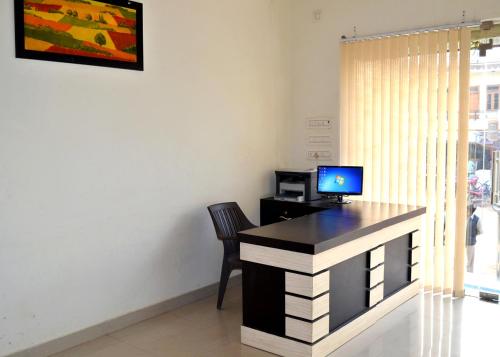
{"x": 285, "y": 218}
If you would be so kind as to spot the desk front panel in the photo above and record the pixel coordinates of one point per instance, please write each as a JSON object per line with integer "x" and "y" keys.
{"x": 349, "y": 292}
{"x": 308, "y": 308}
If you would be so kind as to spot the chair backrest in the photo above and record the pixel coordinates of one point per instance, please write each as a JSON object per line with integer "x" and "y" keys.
{"x": 228, "y": 219}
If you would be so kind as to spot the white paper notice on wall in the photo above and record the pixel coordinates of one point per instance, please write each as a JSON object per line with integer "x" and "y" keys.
{"x": 319, "y": 123}
{"x": 319, "y": 155}
{"x": 319, "y": 140}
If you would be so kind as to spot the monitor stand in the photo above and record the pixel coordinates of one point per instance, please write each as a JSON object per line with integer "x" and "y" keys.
{"x": 338, "y": 199}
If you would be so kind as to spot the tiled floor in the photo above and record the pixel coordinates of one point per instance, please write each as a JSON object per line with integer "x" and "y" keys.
{"x": 424, "y": 326}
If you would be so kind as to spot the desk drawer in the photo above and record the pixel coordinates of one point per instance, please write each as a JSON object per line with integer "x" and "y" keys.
{"x": 375, "y": 295}
{"x": 414, "y": 272}
{"x": 306, "y": 308}
{"x": 376, "y": 276}
{"x": 305, "y": 285}
{"x": 376, "y": 257}
{"x": 415, "y": 239}
{"x": 414, "y": 256}
{"x": 307, "y": 331}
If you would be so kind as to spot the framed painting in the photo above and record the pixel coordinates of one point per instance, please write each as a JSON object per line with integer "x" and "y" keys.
{"x": 100, "y": 33}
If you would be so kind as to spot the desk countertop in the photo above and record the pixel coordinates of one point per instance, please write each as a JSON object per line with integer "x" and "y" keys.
{"x": 339, "y": 224}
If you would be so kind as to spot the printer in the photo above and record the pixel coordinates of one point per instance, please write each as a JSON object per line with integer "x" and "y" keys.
{"x": 296, "y": 185}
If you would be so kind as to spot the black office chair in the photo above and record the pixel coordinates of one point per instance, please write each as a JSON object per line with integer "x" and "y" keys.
{"x": 228, "y": 220}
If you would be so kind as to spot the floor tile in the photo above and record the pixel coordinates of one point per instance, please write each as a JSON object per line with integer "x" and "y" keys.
{"x": 235, "y": 349}
{"x": 88, "y": 348}
{"x": 120, "y": 350}
{"x": 426, "y": 326}
{"x": 150, "y": 330}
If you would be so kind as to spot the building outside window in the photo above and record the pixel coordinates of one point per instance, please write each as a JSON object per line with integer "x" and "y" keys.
{"x": 474, "y": 102}
{"x": 492, "y": 97}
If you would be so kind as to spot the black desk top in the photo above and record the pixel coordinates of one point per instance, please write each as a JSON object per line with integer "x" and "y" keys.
{"x": 335, "y": 225}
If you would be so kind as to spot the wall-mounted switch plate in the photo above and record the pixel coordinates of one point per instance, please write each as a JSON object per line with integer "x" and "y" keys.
{"x": 319, "y": 155}
{"x": 317, "y": 15}
{"x": 319, "y": 123}
{"x": 320, "y": 140}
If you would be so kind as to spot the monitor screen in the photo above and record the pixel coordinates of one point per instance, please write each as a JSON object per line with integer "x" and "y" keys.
{"x": 340, "y": 180}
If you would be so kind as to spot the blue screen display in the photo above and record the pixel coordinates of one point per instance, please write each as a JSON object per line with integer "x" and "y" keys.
{"x": 342, "y": 180}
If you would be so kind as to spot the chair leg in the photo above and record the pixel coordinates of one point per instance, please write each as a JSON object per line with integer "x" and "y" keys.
{"x": 224, "y": 277}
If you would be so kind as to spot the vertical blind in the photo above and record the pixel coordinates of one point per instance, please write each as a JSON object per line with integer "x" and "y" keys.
{"x": 404, "y": 118}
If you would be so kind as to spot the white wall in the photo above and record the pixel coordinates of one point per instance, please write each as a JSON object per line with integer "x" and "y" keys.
{"x": 105, "y": 173}
{"x": 315, "y": 73}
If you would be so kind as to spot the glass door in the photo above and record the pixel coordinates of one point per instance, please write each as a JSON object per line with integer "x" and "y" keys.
{"x": 482, "y": 241}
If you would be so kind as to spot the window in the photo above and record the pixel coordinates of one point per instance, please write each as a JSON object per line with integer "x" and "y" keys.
{"x": 474, "y": 102}
{"x": 492, "y": 97}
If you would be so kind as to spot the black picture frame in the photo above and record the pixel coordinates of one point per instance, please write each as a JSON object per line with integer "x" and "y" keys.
{"x": 22, "y": 52}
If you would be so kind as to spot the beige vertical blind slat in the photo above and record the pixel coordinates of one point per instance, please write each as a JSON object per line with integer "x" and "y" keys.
{"x": 403, "y": 121}
{"x": 386, "y": 117}
{"x": 368, "y": 122}
{"x": 344, "y": 103}
{"x": 360, "y": 118}
{"x": 462, "y": 158}
{"x": 351, "y": 127}
{"x": 355, "y": 117}
{"x": 431, "y": 159}
{"x": 377, "y": 122}
{"x": 451, "y": 163}
{"x": 423, "y": 77}
{"x": 423, "y": 80}
{"x": 441, "y": 158}
{"x": 413, "y": 120}
{"x": 394, "y": 128}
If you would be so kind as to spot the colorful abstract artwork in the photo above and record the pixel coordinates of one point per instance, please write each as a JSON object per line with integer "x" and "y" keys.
{"x": 103, "y": 33}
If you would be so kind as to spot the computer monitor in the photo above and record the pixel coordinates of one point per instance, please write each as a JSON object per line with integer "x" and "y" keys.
{"x": 339, "y": 181}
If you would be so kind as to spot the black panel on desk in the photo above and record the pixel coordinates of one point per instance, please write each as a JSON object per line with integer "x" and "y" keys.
{"x": 264, "y": 298}
{"x": 273, "y": 211}
{"x": 396, "y": 264}
{"x": 348, "y": 294}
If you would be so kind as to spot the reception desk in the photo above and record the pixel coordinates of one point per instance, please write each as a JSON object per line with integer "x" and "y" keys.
{"x": 312, "y": 283}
